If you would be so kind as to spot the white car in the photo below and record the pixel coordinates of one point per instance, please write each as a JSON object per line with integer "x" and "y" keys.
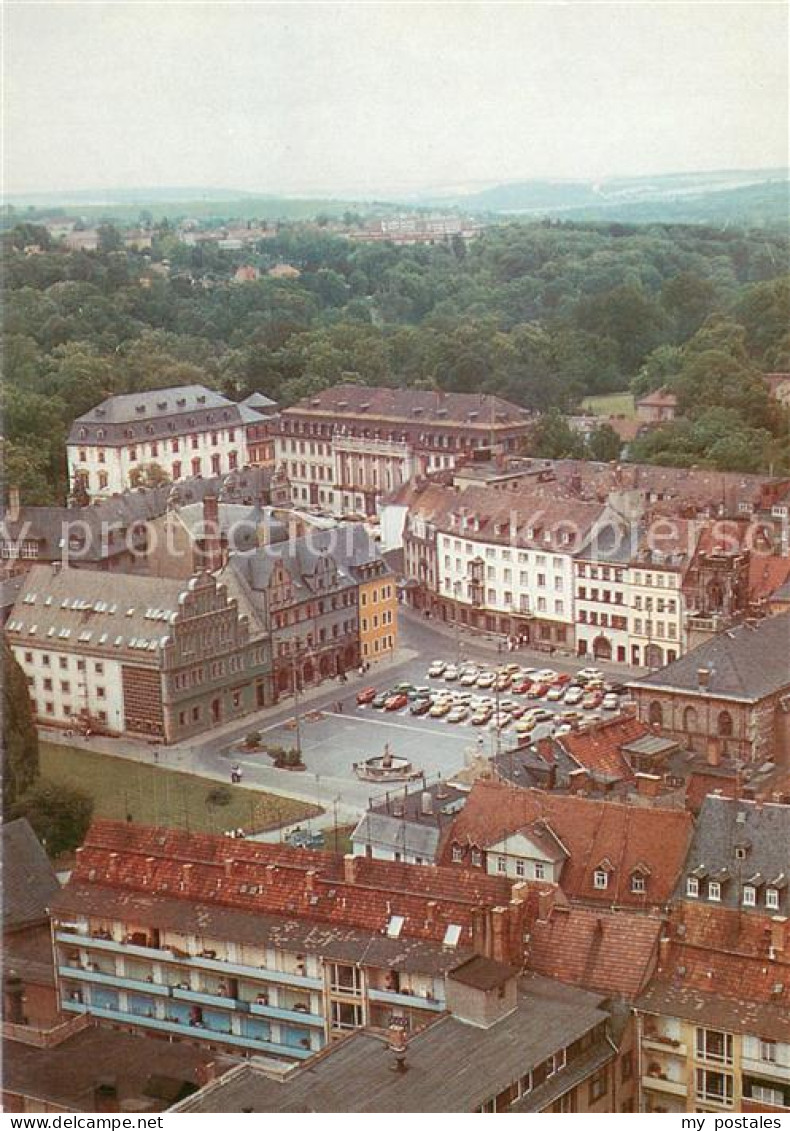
{"x": 450, "y": 672}
{"x": 458, "y": 714}
{"x": 573, "y": 696}
{"x": 546, "y": 675}
{"x": 436, "y": 669}
{"x": 555, "y": 694}
{"x": 563, "y": 728}
{"x": 590, "y": 673}
{"x": 610, "y": 702}
{"x": 468, "y": 678}
{"x": 486, "y": 679}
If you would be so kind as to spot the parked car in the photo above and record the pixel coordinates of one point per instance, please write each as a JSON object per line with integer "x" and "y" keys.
{"x": 537, "y": 691}
{"x": 440, "y": 708}
{"x": 436, "y": 669}
{"x": 486, "y": 679}
{"x": 503, "y": 681}
{"x": 586, "y": 674}
{"x": 592, "y": 700}
{"x": 546, "y": 675}
{"x": 542, "y": 715}
{"x": 518, "y": 712}
{"x": 563, "y": 679}
{"x": 610, "y": 702}
{"x": 480, "y": 718}
{"x": 450, "y": 672}
{"x": 574, "y": 695}
{"x": 420, "y": 707}
{"x": 366, "y": 695}
{"x": 525, "y": 726}
{"x": 521, "y": 686}
{"x": 397, "y": 702}
{"x": 380, "y": 699}
{"x": 422, "y": 692}
{"x": 555, "y": 693}
{"x": 458, "y": 714}
{"x": 468, "y": 678}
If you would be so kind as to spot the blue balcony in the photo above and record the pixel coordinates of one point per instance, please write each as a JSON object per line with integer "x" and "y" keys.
{"x": 190, "y": 1032}
{"x": 412, "y": 1001}
{"x": 91, "y": 943}
{"x": 98, "y": 978}
{"x": 292, "y": 1015}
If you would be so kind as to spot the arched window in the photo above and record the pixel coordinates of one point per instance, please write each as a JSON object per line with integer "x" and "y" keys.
{"x": 656, "y": 714}
{"x": 725, "y": 724}
{"x": 690, "y": 719}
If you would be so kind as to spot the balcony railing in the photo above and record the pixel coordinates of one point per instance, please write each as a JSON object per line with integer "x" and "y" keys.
{"x": 257, "y": 973}
{"x": 663, "y": 1084}
{"x": 412, "y": 1001}
{"x": 190, "y": 1031}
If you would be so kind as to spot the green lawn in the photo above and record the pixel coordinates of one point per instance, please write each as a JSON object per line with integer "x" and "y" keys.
{"x": 611, "y": 404}
{"x": 152, "y": 795}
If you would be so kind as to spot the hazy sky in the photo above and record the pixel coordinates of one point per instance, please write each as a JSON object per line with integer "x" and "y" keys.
{"x": 329, "y": 97}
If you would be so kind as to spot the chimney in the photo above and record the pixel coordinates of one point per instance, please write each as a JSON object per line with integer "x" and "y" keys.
{"x": 664, "y": 944}
{"x": 546, "y": 900}
{"x": 212, "y": 543}
{"x": 703, "y": 677}
{"x": 432, "y": 908}
{"x": 648, "y": 785}
{"x": 426, "y": 803}
{"x": 578, "y": 780}
{"x": 205, "y": 1073}
{"x": 13, "y": 507}
{"x": 778, "y": 935}
{"x": 270, "y": 873}
{"x": 228, "y": 865}
{"x": 397, "y": 1046}
{"x": 498, "y": 934}
{"x": 186, "y": 876}
{"x": 309, "y": 882}
{"x": 350, "y": 868}
{"x": 545, "y": 749}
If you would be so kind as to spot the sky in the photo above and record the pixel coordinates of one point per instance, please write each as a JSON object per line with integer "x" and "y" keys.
{"x": 363, "y": 98}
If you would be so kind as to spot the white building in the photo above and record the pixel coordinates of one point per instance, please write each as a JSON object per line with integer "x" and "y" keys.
{"x": 186, "y": 431}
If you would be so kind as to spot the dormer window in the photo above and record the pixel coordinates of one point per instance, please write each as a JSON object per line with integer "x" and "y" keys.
{"x": 714, "y": 891}
{"x": 772, "y": 899}
{"x": 638, "y": 883}
{"x": 749, "y": 896}
{"x": 477, "y": 858}
{"x": 600, "y": 879}
{"x": 692, "y": 887}
{"x": 458, "y": 854}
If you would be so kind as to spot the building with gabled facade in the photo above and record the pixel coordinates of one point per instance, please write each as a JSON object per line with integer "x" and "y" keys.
{"x": 600, "y": 853}
{"x": 164, "y": 659}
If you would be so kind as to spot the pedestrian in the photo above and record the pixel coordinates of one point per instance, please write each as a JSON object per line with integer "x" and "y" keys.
{"x": 361, "y": 669}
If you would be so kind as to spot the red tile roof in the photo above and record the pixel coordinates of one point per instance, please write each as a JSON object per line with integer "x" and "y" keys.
{"x": 624, "y": 838}
{"x": 277, "y": 880}
{"x": 700, "y": 784}
{"x": 597, "y": 748}
{"x": 612, "y": 952}
{"x": 723, "y": 966}
{"x": 767, "y": 573}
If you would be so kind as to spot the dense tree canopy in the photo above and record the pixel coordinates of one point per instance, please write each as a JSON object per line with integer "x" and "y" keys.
{"x": 20, "y": 737}
{"x": 541, "y": 313}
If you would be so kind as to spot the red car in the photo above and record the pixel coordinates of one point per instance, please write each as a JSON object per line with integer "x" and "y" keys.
{"x": 366, "y": 695}
{"x": 521, "y": 687}
{"x": 592, "y": 700}
{"x": 538, "y": 690}
{"x": 562, "y": 679}
{"x": 396, "y": 702}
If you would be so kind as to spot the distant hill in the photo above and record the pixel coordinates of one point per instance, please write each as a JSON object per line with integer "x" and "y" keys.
{"x": 746, "y": 196}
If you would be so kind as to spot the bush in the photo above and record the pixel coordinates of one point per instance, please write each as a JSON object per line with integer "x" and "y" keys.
{"x": 59, "y": 815}
{"x": 218, "y": 796}
{"x": 253, "y": 738}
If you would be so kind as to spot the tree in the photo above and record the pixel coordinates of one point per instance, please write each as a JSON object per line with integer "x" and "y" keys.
{"x": 605, "y": 444}
{"x": 60, "y": 815}
{"x": 148, "y": 475}
{"x": 20, "y": 737}
{"x": 551, "y": 437}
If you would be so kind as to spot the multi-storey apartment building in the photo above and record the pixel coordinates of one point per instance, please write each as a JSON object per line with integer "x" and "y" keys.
{"x": 262, "y": 948}
{"x": 714, "y": 1025}
{"x": 348, "y": 446}
{"x": 186, "y": 431}
{"x": 506, "y": 563}
{"x": 136, "y": 655}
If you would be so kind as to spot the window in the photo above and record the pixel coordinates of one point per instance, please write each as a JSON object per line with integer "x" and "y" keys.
{"x": 63, "y": 662}
{"x": 765, "y": 1095}
{"x": 768, "y": 1051}
{"x": 637, "y": 883}
{"x": 521, "y": 868}
{"x": 458, "y": 854}
{"x": 598, "y": 1084}
{"x": 346, "y": 1015}
{"x": 714, "y": 1087}
{"x": 656, "y": 714}
{"x": 477, "y": 858}
{"x": 345, "y": 979}
{"x": 725, "y": 724}
{"x": 714, "y": 891}
{"x": 600, "y": 879}
{"x": 714, "y": 1045}
{"x": 772, "y": 899}
{"x": 692, "y": 887}
{"x": 539, "y": 869}
{"x": 749, "y": 896}
{"x": 501, "y": 864}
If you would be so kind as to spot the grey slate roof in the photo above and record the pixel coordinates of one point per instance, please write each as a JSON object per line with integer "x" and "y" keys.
{"x": 101, "y": 612}
{"x": 150, "y": 414}
{"x": 260, "y": 403}
{"x": 451, "y": 1066}
{"x": 29, "y": 882}
{"x": 394, "y": 834}
{"x": 749, "y": 662}
{"x": 761, "y": 829}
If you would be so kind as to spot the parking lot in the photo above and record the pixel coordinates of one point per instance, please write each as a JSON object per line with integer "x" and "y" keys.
{"x": 332, "y": 739}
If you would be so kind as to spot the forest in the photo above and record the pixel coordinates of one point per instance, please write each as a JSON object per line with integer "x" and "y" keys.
{"x": 542, "y": 314}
